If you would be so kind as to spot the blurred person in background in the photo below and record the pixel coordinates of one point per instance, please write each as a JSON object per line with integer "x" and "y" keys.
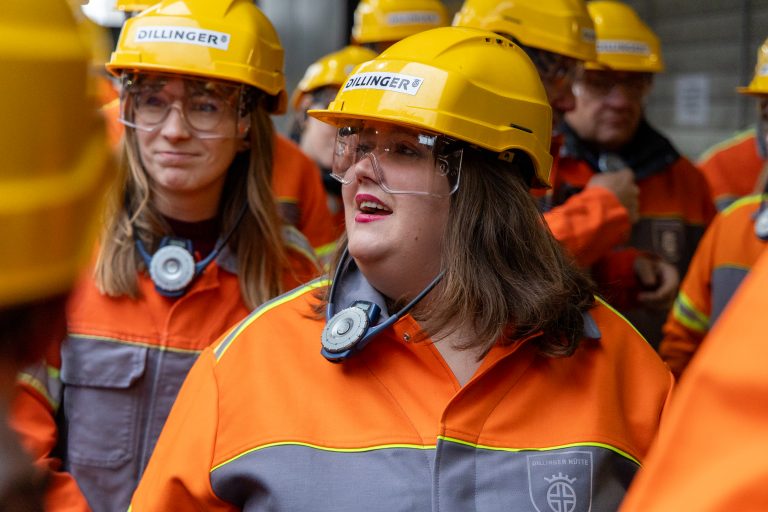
{"x": 708, "y": 456}
{"x": 52, "y": 181}
{"x": 736, "y": 167}
{"x": 608, "y": 132}
{"x": 192, "y": 243}
{"x": 378, "y": 24}
{"x": 317, "y": 88}
{"x": 732, "y": 243}
{"x": 559, "y": 36}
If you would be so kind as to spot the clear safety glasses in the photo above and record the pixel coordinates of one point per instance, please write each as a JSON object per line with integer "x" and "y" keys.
{"x": 405, "y": 161}
{"x": 601, "y": 83}
{"x": 212, "y": 109}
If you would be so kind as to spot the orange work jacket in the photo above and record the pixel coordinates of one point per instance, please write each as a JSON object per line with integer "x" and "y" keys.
{"x": 675, "y": 208}
{"x": 93, "y": 412}
{"x": 732, "y": 168}
{"x": 265, "y": 422}
{"x": 724, "y": 257}
{"x": 589, "y": 224}
{"x": 296, "y": 184}
{"x": 710, "y": 452}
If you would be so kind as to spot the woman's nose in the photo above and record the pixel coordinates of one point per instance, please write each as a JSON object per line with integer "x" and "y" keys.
{"x": 174, "y": 125}
{"x": 367, "y": 168}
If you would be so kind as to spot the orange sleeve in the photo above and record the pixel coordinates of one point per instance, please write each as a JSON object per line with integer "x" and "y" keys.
{"x": 708, "y": 454}
{"x": 299, "y": 190}
{"x": 32, "y": 415}
{"x": 115, "y": 129}
{"x": 589, "y": 224}
{"x": 732, "y": 168}
{"x": 688, "y": 321}
{"x": 173, "y": 480}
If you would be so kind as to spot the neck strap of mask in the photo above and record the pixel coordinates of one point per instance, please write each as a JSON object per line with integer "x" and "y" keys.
{"x": 172, "y": 267}
{"x": 351, "y": 329}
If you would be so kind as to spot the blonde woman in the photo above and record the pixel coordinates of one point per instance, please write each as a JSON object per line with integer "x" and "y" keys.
{"x": 192, "y": 243}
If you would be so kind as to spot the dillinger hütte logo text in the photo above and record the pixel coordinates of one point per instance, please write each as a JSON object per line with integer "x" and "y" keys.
{"x": 618, "y": 46}
{"x": 385, "y": 81}
{"x": 183, "y": 35}
{"x": 414, "y": 18}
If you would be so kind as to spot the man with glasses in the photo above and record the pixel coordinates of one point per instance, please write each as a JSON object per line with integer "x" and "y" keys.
{"x": 607, "y": 132}
{"x": 558, "y": 36}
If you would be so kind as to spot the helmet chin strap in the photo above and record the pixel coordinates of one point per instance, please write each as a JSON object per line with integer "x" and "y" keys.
{"x": 351, "y": 329}
{"x": 172, "y": 267}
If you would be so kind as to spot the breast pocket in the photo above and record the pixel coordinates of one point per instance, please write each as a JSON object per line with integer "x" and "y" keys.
{"x": 102, "y": 388}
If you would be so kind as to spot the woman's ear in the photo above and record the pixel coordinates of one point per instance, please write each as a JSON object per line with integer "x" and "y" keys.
{"x": 244, "y": 144}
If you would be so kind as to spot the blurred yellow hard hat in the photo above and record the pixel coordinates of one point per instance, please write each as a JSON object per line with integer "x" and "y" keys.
{"x": 624, "y": 41}
{"x": 227, "y": 39}
{"x": 55, "y": 164}
{"x": 454, "y": 81}
{"x": 391, "y": 20}
{"x": 557, "y": 26}
{"x": 135, "y": 5}
{"x": 759, "y": 83}
{"x": 331, "y": 70}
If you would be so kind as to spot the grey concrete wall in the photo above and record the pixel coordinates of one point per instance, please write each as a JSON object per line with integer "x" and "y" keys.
{"x": 711, "y": 43}
{"x": 308, "y": 29}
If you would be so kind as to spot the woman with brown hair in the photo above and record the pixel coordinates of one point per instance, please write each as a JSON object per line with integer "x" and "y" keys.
{"x": 474, "y": 369}
{"x": 192, "y": 243}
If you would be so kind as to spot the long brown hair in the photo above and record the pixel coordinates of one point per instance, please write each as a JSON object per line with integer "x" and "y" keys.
{"x": 504, "y": 271}
{"x": 257, "y": 241}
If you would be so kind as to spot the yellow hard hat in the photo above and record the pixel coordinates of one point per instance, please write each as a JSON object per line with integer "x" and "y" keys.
{"x": 227, "y": 39}
{"x": 331, "y": 70}
{"x": 454, "y": 81}
{"x": 624, "y": 42}
{"x": 557, "y": 26}
{"x": 391, "y": 20}
{"x": 759, "y": 83}
{"x": 135, "y": 5}
{"x": 55, "y": 160}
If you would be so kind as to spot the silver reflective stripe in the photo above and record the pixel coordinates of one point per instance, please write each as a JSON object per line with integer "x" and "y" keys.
{"x": 725, "y": 282}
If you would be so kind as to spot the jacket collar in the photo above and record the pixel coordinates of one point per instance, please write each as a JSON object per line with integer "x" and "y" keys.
{"x": 647, "y": 153}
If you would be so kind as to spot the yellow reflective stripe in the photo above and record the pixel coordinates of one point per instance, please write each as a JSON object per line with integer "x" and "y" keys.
{"x": 325, "y": 250}
{"x": 40, "y": 387}
{"x": 405, "y": 446}
{"x": 546, "y": 449}
{"x": 689, "y": 315}
{"x": 222, "y": 347}
{"x": 743, "y": 201}
{"x": 731, "y": 141}
{"x": 601, "y": 301}
{"x": 327, "y": 449}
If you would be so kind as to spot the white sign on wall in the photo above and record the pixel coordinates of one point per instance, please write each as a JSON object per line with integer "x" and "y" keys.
{"x": 692, "y": 99}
